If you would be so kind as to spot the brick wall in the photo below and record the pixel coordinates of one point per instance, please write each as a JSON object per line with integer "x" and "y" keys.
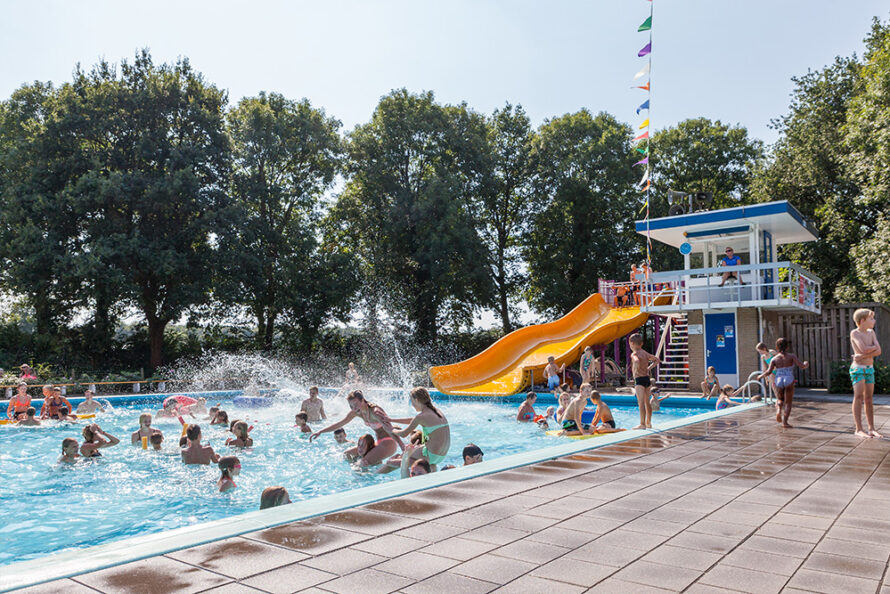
{"x": 696, "y": 352}
{"x": 747, "y": 337}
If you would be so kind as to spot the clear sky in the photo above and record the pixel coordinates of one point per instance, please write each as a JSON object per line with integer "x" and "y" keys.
{"x": 727, "y": 60}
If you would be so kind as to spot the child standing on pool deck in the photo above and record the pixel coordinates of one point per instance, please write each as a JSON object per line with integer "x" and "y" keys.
{"x": 640, "y": 364}
{"x": 783, "y": 364}
{"x": 862, "y": 371}
{"x": 766, "y": 355}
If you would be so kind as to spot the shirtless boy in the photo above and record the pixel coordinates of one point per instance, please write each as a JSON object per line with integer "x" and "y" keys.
{"x": 862, "y": 371}
{"x": 641, "y": 363}
{"x": 195, "y": 453}
{"x": 89, "y": 406}
{"x": 313, "y": 406}
{"x": 551, "y": 372}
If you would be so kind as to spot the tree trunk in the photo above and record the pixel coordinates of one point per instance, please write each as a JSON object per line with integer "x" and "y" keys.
{"x": 269, "y": 332}
{"x": 156, "y": 327}
{"x": 503, "y": 305}
{"x": 260, "y": 313}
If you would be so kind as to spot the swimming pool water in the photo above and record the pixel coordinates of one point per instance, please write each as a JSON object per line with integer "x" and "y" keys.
{"x": 50, "y": 507}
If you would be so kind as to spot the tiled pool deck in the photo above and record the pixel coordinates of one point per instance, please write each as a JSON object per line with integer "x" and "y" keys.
{"x": 734, "y": 503}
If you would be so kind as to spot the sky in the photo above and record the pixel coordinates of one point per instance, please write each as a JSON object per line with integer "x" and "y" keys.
{"x": 720, "y": 59}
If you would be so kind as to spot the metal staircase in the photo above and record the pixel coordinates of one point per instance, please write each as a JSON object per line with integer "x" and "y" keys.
{"x": 674, "y": 372}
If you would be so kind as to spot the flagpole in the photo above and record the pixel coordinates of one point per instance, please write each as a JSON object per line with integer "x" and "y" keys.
{"x": 648, "y": 148}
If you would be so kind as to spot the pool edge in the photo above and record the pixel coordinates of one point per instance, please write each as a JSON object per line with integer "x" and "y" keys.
{"x": 80, "y": 561}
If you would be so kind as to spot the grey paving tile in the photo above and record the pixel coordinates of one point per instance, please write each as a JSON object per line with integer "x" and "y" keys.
{"x": 343, "y": 561}
{"x": 830, "y": 583}
{"x": 390, "y": 545}
{"x": 743, "y": 580}
{"x": 232, "y": 588}
{"x": 368, "y": 581}
{"x": 430, "y": 532}
{"x": 237, "y": 557}
{"x": 451, "y": 583}
{"x": 851, "y": 566}
{"x": 157, "y": 575}
{"x": 529, "y": 550}
{"x": 291, "y": 578}
{"x": 761, "y": 561}
{"x": 530, "y": 583}
{"x": 492, "y": 568}
{"x": 417, "y": 566}
{"x": 617, "y": 586}
{"x": 849, "y": 548}
{"x": 307, "y": 538}
{"x": 658, "y": 575}
{"x": 778, "y": 546}
{"x": 680, "y": 557}
{"x": 574, "y": 571}
{"x": 497, "y": 535}
{"x": 459, "y": 548}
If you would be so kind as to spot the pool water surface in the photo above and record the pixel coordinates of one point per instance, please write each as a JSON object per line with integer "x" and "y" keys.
{"x": 50, "y": 507}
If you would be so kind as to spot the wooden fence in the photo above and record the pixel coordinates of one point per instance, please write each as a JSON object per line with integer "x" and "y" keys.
{"x": 822, "y": 339}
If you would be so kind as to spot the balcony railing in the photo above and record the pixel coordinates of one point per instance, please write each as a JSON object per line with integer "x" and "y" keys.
{"x": 777, "y": 285}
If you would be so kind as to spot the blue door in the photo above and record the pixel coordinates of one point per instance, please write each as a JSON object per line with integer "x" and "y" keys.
{"x": 720, "y": 351}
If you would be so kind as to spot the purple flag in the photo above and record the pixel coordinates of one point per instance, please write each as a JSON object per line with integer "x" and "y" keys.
{"x": 645, "y": 50}
{"x": 642, "y": 161}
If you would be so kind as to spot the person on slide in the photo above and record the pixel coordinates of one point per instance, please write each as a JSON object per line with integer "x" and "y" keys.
{"x": 375, "y": 418}
{"x": 783, "y": 364}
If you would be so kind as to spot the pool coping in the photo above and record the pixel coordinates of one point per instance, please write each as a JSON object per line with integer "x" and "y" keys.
{"x": 80, "y": 561}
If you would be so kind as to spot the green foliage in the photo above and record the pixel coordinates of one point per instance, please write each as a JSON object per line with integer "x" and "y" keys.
{"x": 406, "y": 210}
{"x": 582, "y": 226}
{"x": 286, "y": 155}
{"x": 505, "y": 203}
{"x": 839, "y": 378}
{"x": 700, "y": 155}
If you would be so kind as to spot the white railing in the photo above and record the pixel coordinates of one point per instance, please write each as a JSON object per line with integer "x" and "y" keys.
{"x": 776, "y": 284}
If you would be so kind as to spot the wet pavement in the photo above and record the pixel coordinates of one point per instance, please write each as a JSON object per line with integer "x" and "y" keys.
{"x": 732, "y": 504}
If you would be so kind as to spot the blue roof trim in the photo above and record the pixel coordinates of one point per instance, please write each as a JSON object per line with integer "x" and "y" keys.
{"x": 711, "y": 232}
{"x": 728, "y": 214}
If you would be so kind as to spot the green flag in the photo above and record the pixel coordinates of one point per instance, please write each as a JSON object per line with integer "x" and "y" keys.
{"x": 643, "y": 151}
{"x": 647, "y": 24}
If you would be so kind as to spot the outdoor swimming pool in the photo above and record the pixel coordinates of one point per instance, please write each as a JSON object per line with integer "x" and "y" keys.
{"x": 129, "y": 492}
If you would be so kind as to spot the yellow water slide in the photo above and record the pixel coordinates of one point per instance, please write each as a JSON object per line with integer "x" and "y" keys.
{"x": 508, "y": 365}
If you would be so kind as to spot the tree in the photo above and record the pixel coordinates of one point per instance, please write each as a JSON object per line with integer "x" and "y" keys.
{"x": 157, "y": 184}
{"x": 285, "y": 156}
{"x": 867, "y": 160}
{"x": 806, "y": 167}
{"x": 406, "y": 209}
{"x": 505, "y": 202}
{"x": 582, "y": 227}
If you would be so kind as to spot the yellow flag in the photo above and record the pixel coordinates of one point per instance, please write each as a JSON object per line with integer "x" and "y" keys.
{"x": 644, "y": 124}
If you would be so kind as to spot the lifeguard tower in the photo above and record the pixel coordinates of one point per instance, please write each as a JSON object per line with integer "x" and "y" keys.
{"x": 713, "y": 325}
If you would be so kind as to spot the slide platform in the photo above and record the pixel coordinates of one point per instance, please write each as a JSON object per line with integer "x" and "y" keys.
{"x": 519, "y": 358}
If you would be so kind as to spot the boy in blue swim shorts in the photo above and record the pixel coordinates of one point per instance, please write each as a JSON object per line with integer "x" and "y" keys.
{"x": 862, "y": 372}
{"x": 551, "y": 372}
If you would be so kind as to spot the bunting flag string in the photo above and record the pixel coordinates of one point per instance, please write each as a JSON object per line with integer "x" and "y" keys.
{"x": 645, "y": 183}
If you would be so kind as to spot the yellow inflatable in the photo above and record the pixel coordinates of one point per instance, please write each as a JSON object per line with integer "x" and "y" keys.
{"x": 556, "y": 433}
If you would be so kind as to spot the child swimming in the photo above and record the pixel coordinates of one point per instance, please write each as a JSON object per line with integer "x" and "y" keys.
{"x": 69, "y": 450}
{"x": 94, "y": 440}
{"x": 419, "y": 468}
{"x": 28, "y": 420}
{"x": 196, "y": 453}
{"x": 230, "y": 466}
{"x": 241, "y": 439}
{"x": 222, "y": 418}
{"x": 301, "y": 420}
{"x": 359, "y": 453}
{"x": 724, "y": 399}
{"x": 526, "y": 410}
{"x": 340, "y": 436}
{"x": 603, "y": 415}
{"x": 375, "y": 418}
{"x": 145, "y": 429}
{"x": 434, "y": 428}
{"x": 313, "y": 406}
{"x": 156, "y": 440}
{"x": 273, "y": 497}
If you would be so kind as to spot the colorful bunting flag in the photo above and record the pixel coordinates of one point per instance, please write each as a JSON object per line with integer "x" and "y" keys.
{"x": 642, "y": 162}
{"x": 646, "y": 50}
{"x": 647, "y": 24}
{"x": 646, "y": 189}
{"x": 645, "y": 177}
{"x": 645, "y": 104}
{"x": 642, "y": 136}
{"x": 645, "y": 124}
{"x": 644, "y": 87}
{"x": 643, "y": 151}
{"x": 642, "y": 73}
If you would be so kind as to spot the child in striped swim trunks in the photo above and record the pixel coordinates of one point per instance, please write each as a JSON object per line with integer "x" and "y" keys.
{"x": 862, "y": 372}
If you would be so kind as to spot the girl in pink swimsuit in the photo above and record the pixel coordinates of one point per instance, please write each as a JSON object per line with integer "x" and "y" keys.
{"x": 376, "y": 419}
